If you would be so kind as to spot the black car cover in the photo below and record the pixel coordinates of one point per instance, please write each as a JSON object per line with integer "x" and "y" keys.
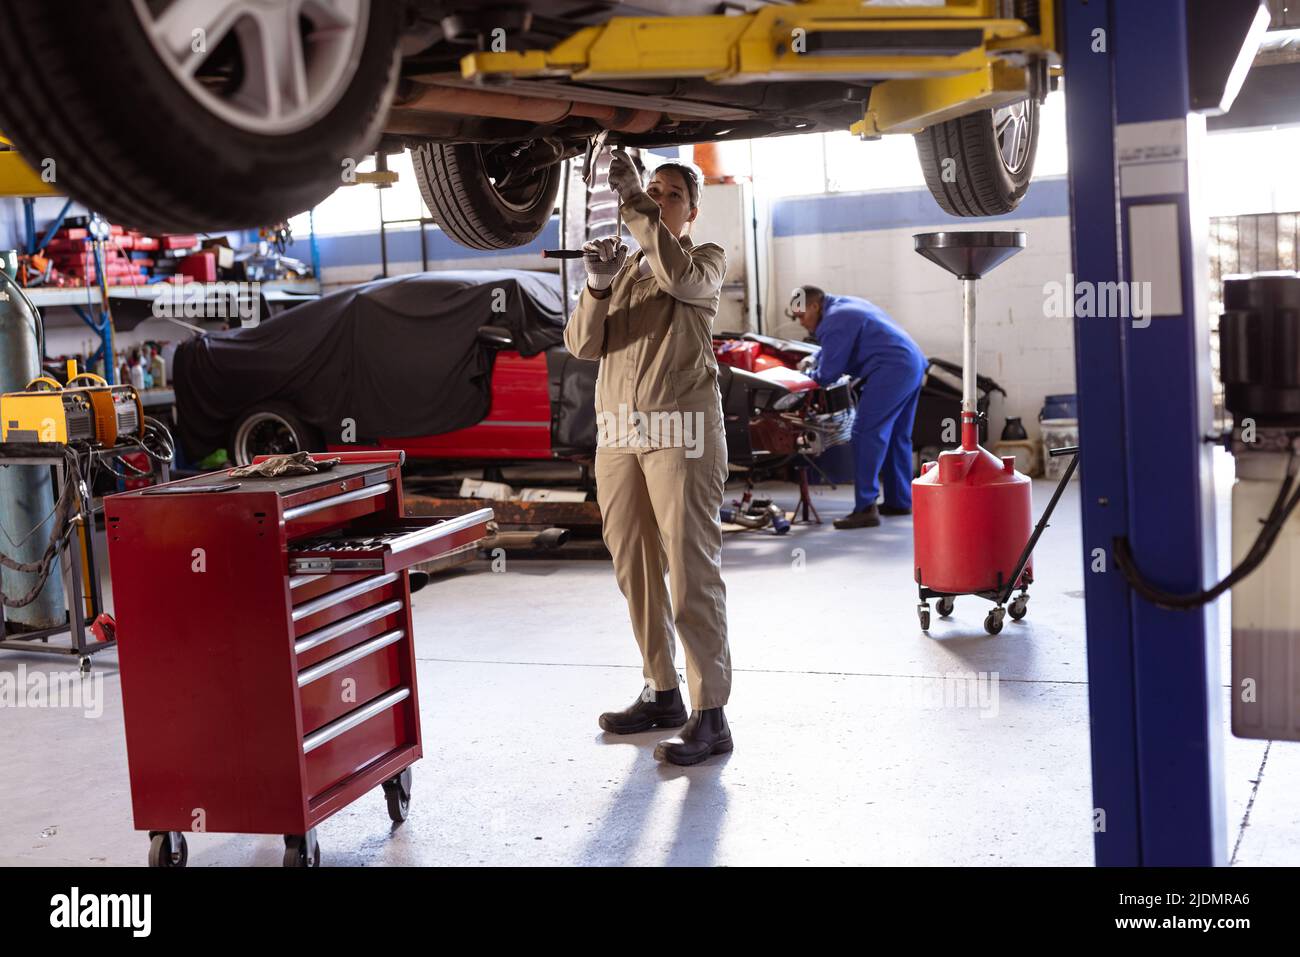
{"x": 394, "y": 358}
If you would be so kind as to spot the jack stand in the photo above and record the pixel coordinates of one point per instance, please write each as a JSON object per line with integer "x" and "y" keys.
{"x": 805, "y": 506}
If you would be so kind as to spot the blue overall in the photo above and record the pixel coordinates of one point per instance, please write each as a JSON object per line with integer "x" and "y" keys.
{"x": 858, "y": 338}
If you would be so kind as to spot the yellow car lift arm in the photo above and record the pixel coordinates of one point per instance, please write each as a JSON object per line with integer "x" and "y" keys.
{"x": 932, "y": 63}
{"x": 17, "y": 178}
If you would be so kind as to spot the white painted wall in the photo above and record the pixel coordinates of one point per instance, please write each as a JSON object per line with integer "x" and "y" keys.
{"x": 1029, "y": 354}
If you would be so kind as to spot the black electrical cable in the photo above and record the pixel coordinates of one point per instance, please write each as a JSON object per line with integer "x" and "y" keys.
{"x": 161, "y": 436}
{"x": 97, "y": 465}
{"x": 1283, "y": 506}
{"x": 156, "y": 443}
{"x": 134, "y": 472}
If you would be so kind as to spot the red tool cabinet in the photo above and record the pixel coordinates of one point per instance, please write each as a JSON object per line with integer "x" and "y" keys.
{"x": 266, "y": 648}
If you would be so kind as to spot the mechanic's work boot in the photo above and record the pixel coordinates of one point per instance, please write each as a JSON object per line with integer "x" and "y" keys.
{"x": 867, "y": 518}
{"x": 705, "y": 734}
{"x": 892, "y": 510}
{"x": 654, "y": 709}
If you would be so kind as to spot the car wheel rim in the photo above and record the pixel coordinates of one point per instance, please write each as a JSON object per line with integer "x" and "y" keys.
{"x": 265, "y": 433}
{"x": 1011, "y": 127}
{"x": 519, "y": 194}
{"x": 266, "y": 66}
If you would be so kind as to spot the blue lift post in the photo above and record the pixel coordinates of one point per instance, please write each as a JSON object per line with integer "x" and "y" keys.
{"x": 1155, "y": 694}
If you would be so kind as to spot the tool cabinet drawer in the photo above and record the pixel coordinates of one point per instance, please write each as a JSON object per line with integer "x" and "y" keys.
{"x": 346, "y": 633}
{"x": 351, "y": 499}
{"x": 303, "y": 588}
{"x": 386, "y": 549}
{"x": 358, "y": 595}
{"x": 359, "y": 738}
{"x": 333, "y": 687}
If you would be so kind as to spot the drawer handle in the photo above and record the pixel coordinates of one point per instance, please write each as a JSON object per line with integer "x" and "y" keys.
{"x": 340, "y": 595}
{"x": 331, "y": 665}
{"x": 297, "y": 581}
{"x": 447, "y": 527}
{"x": 352, "y": 719}
{"x": 356, "y": 495}
{"x": 321, "y": 635}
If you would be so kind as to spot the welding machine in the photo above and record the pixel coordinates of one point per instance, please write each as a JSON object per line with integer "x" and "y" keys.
{"x": 973, "y": 530}
{"x": 97, "y": 414}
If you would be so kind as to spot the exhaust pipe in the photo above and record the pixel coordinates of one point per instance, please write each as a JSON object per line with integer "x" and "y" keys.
{"x": 509, "y": 106}
{"x": 548, "y": 539}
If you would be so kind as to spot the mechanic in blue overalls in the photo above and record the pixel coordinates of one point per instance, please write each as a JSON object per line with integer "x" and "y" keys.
{"x": 858, "y": 338}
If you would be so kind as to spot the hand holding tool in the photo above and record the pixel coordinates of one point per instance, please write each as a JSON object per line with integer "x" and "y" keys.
{"x": 593, "y": 152}
{"x": 603, "y": 259}
{"x": 623, "y": 176}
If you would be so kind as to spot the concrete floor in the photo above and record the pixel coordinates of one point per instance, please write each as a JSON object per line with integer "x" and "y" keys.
{"x": 845, "y": 750}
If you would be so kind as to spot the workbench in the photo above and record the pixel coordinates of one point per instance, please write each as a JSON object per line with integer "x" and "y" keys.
{"x": 266, "y": 647}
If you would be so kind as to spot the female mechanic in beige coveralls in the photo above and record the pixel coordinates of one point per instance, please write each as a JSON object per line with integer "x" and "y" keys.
{"x": 661, "y": 456}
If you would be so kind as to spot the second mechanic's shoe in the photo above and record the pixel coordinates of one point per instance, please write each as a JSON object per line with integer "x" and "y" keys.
{"x": 654, "y": 709}
{"x": 705, "y": 734}
{"x": 867, "y": 518}
{"x": 894, "y": 510}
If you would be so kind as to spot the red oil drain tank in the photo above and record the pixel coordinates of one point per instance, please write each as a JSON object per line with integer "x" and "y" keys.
{"x": 972, "y": 512}
{"x": 972, "y": 515}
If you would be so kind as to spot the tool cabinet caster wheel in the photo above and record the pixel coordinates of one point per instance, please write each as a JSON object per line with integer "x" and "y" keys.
{"x": 1019, "y": 607}
{"x": 923, "y": 612}
{"x": 397, "y": 791}
{"x": 85, "y": 664}
{"x": 296, "y": 851}
{"x": 168, "y": 853}
{"x": 993, "y": 623}
{"x": 945, "y": 607}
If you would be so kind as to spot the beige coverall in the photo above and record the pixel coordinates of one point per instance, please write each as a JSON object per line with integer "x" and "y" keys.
{"x": 661, "y": 456}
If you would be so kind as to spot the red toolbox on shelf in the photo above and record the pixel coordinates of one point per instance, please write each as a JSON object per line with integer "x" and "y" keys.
{"x": 266, "y": 648}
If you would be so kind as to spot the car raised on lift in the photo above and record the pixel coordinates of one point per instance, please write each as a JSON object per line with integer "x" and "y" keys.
{"x": 214, "y": 114}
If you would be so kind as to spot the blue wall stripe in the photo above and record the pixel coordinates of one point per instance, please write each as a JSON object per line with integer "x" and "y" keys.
{"x": 900, "y": 208}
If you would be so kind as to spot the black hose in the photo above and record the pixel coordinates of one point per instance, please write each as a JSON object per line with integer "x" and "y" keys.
{"x": 1283, "y": 506}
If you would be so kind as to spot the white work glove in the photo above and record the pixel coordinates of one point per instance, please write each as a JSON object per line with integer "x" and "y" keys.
{"x": 624, "y": 178}
{"x": 807, "y": 364}
{"x": 603, "y": 259}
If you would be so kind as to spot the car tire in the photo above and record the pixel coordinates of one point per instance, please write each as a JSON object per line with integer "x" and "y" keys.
{"x": 466, "y": 203}
{"x": 970, "y": 164}
{"x": 271, "y": 428}
{"x": 132, "y": 136}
